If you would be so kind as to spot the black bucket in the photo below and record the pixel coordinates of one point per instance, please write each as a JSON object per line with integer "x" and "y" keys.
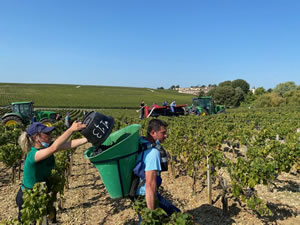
{"x": 98, "y": 128}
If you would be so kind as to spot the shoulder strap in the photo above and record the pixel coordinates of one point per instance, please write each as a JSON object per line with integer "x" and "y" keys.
{"x": 146, "y": 145}
{"x": 26, "y": 187}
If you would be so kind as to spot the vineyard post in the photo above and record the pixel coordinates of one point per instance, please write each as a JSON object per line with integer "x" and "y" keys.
{"x": 194, "y": 180}
{"x": 209, "y": 189}
{"x": 172, "y": 168}
{"x": 60, "y": 202}
{"x": 19, "y": 169}
{"x": 71, "y": 164}
{"x": 224, "y": 198}
{"x": 45, "y": 221}
{"x": 13, "y": 177}
{"x": 67, "y": 178}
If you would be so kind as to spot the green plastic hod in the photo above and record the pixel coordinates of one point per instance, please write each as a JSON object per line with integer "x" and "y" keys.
{"x": 115, "y": 164}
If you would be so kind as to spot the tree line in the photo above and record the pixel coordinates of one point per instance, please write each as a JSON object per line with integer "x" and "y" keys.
{"x": 237, "y": 93}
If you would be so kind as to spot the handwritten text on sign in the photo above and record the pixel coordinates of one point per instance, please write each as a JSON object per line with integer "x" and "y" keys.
{"x": 100, "y": 129}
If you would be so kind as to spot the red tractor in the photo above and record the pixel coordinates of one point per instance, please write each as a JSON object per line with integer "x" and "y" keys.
{"x": 156, "y": 111}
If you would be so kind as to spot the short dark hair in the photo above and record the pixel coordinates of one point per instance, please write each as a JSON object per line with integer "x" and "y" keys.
{"x": 156, "y": 124}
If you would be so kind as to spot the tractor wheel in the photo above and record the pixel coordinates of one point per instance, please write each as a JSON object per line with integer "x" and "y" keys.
{"x": 11, "y": 121}
{"x": 204, "y": 113}
{"x": 47, "y": 122}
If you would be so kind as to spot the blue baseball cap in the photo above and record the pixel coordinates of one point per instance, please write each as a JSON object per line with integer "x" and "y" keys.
{"x": 38, "y": 127}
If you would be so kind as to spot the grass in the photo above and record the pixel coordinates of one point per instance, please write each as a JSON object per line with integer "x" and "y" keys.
{"x": 84, "y": 96}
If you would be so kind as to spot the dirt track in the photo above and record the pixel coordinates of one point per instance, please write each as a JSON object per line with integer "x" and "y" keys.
{"x": 87, "y": 202}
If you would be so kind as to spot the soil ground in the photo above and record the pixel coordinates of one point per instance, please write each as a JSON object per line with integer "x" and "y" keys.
{"x": 87, "y": 202}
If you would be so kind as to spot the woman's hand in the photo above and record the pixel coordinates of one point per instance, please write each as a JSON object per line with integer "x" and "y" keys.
{"x": 76, "y": 126}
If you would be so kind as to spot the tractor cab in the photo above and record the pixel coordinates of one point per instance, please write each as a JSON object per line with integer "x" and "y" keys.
{"x": 206, "y": 106}
{"x": 24, "y": 109}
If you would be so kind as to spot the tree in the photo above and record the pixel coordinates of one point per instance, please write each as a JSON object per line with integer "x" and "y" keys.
{"x": 177, "y": 86}
{"x": 162, "y": 88}
{"x": 224, "y": 95}
{"x": 269, "y": 100}
{"x": 225, "y": 83}
{"x": 201, "y": 93}
{"x": 292, "y": 98}
{"x": 242, "y": 84}
{"x": 172, "y": 87}
{"x": 249, "y": 98}
{"x": 211, "y": 92}
{"x": 285, "y": 87}
{"x": 238, "y": 97}
{"x": 259, "y": 91}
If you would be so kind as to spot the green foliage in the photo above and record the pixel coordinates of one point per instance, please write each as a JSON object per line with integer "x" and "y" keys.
{"x": 86, "y": 96}
{"x": 56, "y": 184}
{"x": 230, "y": 93}
{"x": 59, "y": 129}
{"x": 269, "y": 100}
{"x": 282, "y": 88}
{"x": 259, "y": 206}
{"x": 192, "y": 139}
{"x": 225, "y": 83}
{"x": 10, "y": 154}
{"x": 158, "y": 216}
{"x": 249, "y": 98}
{"x": 292, "y": 98}
{"x": 35, "y": 204}
{"x": 10, "y": 222}
{"x": 259, "y": 91}
{"x": 201, "y": 93}
{"x": 223, "y": 95}
{"x": 242, "y": 84}
{"x": 211, "y": 92}
{"x": 238, "y": 97}
{"x": 275, "y": 99}
{"x": 10, "y": 151}
{"x": 9, "y": 134}
{"x": 181, "y": 219}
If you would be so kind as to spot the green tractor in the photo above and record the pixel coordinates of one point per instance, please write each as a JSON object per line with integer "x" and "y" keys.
{"x": 22, "y": 112}
{"x": 205, "y": 106}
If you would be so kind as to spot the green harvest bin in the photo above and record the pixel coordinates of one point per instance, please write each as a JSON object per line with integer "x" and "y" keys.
{"x": 115, "y": 164}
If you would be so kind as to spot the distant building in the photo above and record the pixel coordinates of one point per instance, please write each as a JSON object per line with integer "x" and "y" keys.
{"x": 193, "y": 91}
{"x": 252, "y": 90}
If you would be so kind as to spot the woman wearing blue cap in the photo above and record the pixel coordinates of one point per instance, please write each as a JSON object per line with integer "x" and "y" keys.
{"x": 36, "y": 142}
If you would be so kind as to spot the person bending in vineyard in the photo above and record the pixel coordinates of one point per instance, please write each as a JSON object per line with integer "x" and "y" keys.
{"x": 67, "y": 121}
{"x": 37, "y": 143}
{"x": 142, "y": 110}
{"x": 154, "y": 158}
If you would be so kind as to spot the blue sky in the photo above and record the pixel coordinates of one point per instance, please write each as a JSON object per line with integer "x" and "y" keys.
{"x": 150, "y": 43}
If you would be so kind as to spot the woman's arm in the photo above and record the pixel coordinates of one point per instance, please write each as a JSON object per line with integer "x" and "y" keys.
{"x": 46, "y": 152}
{"x": 73, "y": 144}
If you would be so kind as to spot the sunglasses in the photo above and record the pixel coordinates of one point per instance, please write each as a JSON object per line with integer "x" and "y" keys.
{"x": 48, "y": 134}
